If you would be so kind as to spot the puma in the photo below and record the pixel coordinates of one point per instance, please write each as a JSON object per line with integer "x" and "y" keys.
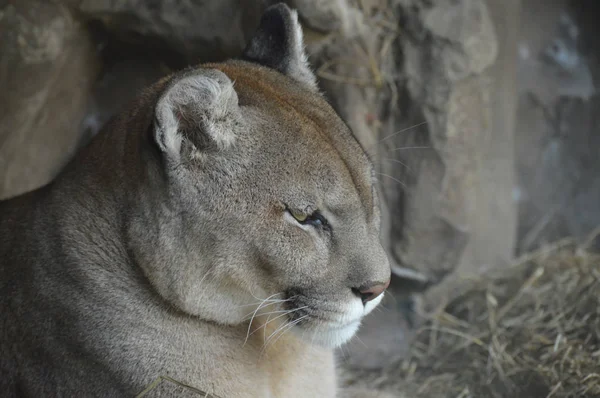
{"x": 223, "y": 232}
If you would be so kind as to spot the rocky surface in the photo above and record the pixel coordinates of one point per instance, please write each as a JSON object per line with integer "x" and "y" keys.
{"x": 48, "y": 67}
{"x": 558, "y": 131}
{"x": 196, "y": 30}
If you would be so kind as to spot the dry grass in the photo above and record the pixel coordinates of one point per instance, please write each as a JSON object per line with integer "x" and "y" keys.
{"x": 531, "y": 331}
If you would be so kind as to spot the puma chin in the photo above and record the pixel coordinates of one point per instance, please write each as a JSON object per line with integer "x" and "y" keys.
{"x": 317, "y": 324}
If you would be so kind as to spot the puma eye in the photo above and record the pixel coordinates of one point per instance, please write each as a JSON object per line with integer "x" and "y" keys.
{"x": 300, "y": 217}
{"x": 315, "y": 219}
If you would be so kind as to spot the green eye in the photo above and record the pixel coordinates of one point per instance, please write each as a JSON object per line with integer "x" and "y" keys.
{"x": 315, "y": 219}
{"x": 298, "y": 216}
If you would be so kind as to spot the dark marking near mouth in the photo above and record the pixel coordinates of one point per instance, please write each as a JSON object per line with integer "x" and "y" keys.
{"x": 296, "y": 300}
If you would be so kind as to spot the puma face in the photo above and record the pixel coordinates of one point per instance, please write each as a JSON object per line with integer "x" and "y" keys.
{"x": 270, "y": 210}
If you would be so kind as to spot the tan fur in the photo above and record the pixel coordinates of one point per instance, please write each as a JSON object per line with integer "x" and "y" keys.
{"x": 167, "y": 248}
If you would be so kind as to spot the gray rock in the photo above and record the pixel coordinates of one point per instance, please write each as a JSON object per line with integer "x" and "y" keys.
{"x": 123, "y": 79}
{"x": 464, "y": 219}
{"x": 557, "y": 131}
{"x": 48, "y": 67}
{"x": 323, "y": 16}
{"x": 199, "y": 30}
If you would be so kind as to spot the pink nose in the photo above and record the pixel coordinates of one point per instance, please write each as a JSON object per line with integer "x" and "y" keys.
{"x": 368, "y": 293}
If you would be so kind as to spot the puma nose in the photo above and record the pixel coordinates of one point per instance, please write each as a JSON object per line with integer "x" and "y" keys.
{"x": 368, "y": 293}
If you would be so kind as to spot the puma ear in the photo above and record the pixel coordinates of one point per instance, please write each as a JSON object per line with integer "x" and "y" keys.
{"x": 278, "y": 44}
{"x": 197, "y": 112}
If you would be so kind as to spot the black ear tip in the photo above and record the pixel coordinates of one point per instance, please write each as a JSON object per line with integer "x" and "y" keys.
{"x": 277, "y": 44}
{"x": 280, "y": 8}
{"x": 271, "y": 42}
{"x": 277, "y": 18}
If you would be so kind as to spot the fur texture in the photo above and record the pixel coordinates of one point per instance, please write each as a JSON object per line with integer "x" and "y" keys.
{"x": 171, "y": 245}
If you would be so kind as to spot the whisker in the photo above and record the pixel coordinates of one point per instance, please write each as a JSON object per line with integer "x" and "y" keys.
{"x": 344, "y": 356}
{"x": 266, "y": 340}
{"x": 286, "y": 326}
{"x": 388, "y": 292}
{"x": 397, "y": 161}
{"x": 401, "y": 131}
{"x": 254, "y": 314}
{"x": 258, "y": 302}
{"x": 203, "y": 279}
{"x": 260, "y": 299}
{"x": 269, "y": 300}
{"x": 272, "y": 312}
{"x": 246, "y": 317}
{"x": 277, "y": 317}
{"x": 312, "y": 342}
{"x": 303, "y": 333}
{"x": 411, "y": 172}
{"x": 359, "y": 339}
{"x": 393, "y": 178}
{"x": 285, "y": 329}
{"x": 410, "y": 147}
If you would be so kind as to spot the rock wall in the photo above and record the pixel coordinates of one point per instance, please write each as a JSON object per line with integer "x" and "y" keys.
{"x": 557, "y": 130}
{"x": 48, "y": 67}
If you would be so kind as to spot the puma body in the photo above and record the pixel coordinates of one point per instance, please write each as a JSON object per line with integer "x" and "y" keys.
{"x": 222, "y": 231}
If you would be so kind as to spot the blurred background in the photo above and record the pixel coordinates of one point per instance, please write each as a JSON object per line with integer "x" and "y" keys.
{"x": 481, "y": 117}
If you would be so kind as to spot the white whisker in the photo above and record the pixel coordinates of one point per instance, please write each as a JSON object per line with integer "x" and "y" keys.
{"x": 276, "y": 330}
{"x": 397, "y": 161}
{"x": 211, "y": 269}
{"x": 292, "y": 324}
{"x": 285, "y": 312}
{"x": 269, "y": 313}
{"x": 260, "y": 305}
{"x": 254, "y": 314}
{"x": 261, "y": 299}
{"x": 312, "y": 342}
{"x": 401, "y": 131}
{"x": 393, "y": 178}
{"x": 362, "y": 342}
{"x": 258, "y": 302}
{"x": 410, "y": 147}
{"x": 282, "y": 329}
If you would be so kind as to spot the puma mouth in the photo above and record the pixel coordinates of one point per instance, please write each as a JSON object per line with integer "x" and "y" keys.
{"x": 327, "y": 324}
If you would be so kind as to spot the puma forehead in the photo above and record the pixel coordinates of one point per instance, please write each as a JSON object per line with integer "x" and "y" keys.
{"x": 259, "y": 85}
